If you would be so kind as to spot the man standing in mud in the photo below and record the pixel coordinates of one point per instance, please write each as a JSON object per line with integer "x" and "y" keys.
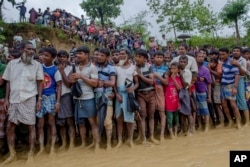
{"x": 24, "y": 81}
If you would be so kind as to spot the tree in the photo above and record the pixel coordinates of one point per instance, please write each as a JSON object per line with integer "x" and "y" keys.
{"x": 233, "y": 12}
{"x": 174, "y": 15}
{"x": 102, "y": 9}
{"x": 13, "y": 2}
{"x": 206, "y": 20}
{"x": 138, "y": 24}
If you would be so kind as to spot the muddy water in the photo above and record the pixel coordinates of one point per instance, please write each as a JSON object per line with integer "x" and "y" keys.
{"x": 200, "y": 150}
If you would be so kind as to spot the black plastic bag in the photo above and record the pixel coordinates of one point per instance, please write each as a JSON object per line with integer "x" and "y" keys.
{"x": 76, "y": 90}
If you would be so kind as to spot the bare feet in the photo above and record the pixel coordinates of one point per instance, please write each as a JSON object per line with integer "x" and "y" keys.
{"x": 41, "y": 151}
{"x": 97, "y": 148}
{"x": 91, "y": 145}
{"x": 119, "y": 144}
{"x": 220, "y": 125}
{"x": 30, "y": 158}
{"x": 62, "y": 147}
{"x": 153, "y": 140}
{"x": 131, "y": 144}
{"x": 108, "y": 147}
{"x": 161, "y": 139}
{"x": 230, "y": 124}
{"x": 10, "y": 159}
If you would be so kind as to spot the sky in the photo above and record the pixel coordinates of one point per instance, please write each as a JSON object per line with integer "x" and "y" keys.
{"x": 129, "y": 9}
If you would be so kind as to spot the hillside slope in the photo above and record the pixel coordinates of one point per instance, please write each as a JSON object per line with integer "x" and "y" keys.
{"x": 56, "y": 36}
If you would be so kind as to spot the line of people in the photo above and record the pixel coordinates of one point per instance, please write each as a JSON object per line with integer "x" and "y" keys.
{"x": 182, "y": 91}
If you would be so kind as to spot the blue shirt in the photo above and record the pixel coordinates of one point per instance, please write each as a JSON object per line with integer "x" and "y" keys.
{"x": 49, "y": 82}
{"x": 228, "y": 72}
{"x": 104, "y": 73}
{"x": 161, "y": 70}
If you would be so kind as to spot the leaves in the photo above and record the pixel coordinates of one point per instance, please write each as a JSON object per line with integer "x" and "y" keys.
{"x": 13, "y": 2}
{"x": 102, "y": 9}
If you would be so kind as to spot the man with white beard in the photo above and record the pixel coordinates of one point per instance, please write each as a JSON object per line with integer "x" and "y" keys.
{"x": 24, "y": 81}
{"x": 126, "y": 72}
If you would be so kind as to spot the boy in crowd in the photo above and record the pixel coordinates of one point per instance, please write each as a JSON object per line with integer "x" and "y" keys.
{"x": 85, "y": 107}
{"x": 106, "y": 82}
{"x": 159, "y": 69}
{"x": 185, "y": 110}
{"x": 229, "y": 86}
{"x": 241, "y": 63}
{"x": 145, "y": 94}
{"x": 203, "y": 90}
{"x": 51, "y": 95}
{"x": 65, "y": 116}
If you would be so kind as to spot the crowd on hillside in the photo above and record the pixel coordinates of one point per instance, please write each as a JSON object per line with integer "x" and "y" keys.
{"x": 154, "y": 90}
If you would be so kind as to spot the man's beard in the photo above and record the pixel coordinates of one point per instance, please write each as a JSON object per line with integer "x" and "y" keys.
{"x": 27, "y": 59}
{"x": 116, "y": 61}
{"x": 122, "y": 62}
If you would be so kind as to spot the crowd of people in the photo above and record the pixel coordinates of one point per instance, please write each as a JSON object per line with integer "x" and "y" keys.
{"x": 177, "y": 91}
{"x": 177, "y": 94}
{"x": 107, "y": 36}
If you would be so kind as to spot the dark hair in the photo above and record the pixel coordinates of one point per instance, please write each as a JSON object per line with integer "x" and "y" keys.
{"x": 175, "y": 64}
{"x": 214, "y": 61}
{"x": 105, "y": 51}
{"x": 63, "y": 52}
{"x": 15, "y": 53}
{"x": 142, "y": 52}
{"x": 237, "y": 47}
{"x": 51, "y": 51}
{"x": 224, "y": 49}
{"x": 204, "y": 50}
{"x": 127, "y": 51}
{"x": 41, "y": 50}
{"x": 183, "y": 45}
{"x": 24, "y": 43}
{"x": 159, "y": 53}
{"x": 214, "y": 52}
{"x": 115, "y": 51}
{"x": 196, "y": 54}
{"x": 84, "y": 49}
{"x": 96, "y": 50}
{"x": 246, "y": 50}
{"x": 183, "y": 57}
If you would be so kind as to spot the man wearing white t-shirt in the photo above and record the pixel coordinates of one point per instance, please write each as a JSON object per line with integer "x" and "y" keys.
{"x": 192, "y": 65}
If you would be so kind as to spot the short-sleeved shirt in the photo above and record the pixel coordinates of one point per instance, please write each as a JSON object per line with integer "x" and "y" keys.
{"x": 187, "y": 76}
{"x": 243, "y": 63}
{"x": 18, "y": 38}
{"x": 22, "y": 78}
{"x": 124, "y": 73}
{"x": 219, "y": 70}
{"x": 192, "y": 65}
{"x": 2, "y": 87}
{"x": 228, "y": 72}
{"x": 161, "y": 70}
{"x": 91, "y": 72}
{"x": 51, "y": 77}
{"x": 104, "y": 73}
{"x": 66, "y": 89}
{"x": 146, "y": 70}
{"x": 201, "y": 86}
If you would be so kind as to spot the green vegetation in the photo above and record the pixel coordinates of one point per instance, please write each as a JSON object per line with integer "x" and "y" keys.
{"x": 104, "y": 9}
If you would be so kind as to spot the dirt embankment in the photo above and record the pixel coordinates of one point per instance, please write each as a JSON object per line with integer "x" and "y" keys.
{"x": 57, "y": 37}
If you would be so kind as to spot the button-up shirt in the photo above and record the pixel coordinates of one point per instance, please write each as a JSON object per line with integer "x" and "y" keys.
{"x": 23, "y": 79}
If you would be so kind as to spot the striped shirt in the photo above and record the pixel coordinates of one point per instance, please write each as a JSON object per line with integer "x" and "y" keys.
{"x": 146, "y": 70}
{"x": 161, "y": 70}
{"x": 228, "y": 72}
{"x": 104, "y": 74}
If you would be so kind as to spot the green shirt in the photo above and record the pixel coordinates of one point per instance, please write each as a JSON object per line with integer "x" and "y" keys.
{"x": 2, "y": 87}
